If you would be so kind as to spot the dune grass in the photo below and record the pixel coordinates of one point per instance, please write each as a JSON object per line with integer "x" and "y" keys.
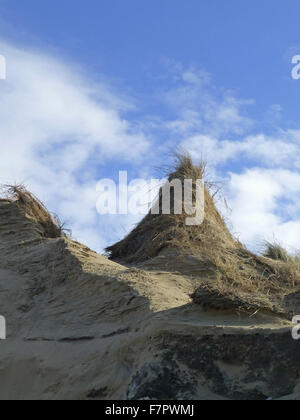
{"x": 157, "y": 231}
{"x": 276, "y": 252}
{"x": 51, "y": 226}
{"x": 235, "y": 277}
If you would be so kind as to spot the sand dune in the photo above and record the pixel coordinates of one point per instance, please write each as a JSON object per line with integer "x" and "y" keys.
{"x": 81, "y": 326}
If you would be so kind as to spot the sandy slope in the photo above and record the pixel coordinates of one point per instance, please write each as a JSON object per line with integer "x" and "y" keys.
{"x": 83, "y": 327}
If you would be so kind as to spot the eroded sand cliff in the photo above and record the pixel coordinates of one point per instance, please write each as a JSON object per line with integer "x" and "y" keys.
{"x": 83, "y": 327}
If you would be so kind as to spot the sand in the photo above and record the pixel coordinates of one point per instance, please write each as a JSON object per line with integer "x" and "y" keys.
{"x": 83, "y": 327}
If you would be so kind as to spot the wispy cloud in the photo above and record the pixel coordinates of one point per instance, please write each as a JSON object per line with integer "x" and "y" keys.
{"x": 201, "y": 106}
{"x": 282, "y": 149}
{"x": 57, "y": 128}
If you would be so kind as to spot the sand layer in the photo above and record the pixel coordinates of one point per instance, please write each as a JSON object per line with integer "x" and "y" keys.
{"x": 82, "y": 327}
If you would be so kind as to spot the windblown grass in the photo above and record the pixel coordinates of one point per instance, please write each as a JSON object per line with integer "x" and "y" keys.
{"x": 51, "y": 226}
{"x": 156, "y": 232}
{"x": 249, "y": 282}
{"x": 276, "y": 252}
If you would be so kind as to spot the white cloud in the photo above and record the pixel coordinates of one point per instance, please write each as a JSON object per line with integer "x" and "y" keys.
{"x": 56, "y": 127}
{"x": 201, "y": 106}
{"x": 280, "y": 150}
{"x": 263, "y": 198}
{"x": 265, "y": 206}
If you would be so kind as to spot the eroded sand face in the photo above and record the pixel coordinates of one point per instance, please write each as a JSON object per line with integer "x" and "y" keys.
{"x": 83, "y": 327}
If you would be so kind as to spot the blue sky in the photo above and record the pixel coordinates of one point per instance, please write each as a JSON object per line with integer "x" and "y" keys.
{"x": 106, "y": 85}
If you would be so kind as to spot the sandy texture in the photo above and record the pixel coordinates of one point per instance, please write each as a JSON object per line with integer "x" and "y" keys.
{"x": 83, "y": 327}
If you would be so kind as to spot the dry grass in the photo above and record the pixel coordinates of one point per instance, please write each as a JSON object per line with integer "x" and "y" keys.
{"x": 51, "y": 226}
{"x": 249, "y": 282}
{"x": 276, "y": 252}
{"x": 156, "y": 232}
{"x": 232, "y": 277}
{"x": 235, "y": 278}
